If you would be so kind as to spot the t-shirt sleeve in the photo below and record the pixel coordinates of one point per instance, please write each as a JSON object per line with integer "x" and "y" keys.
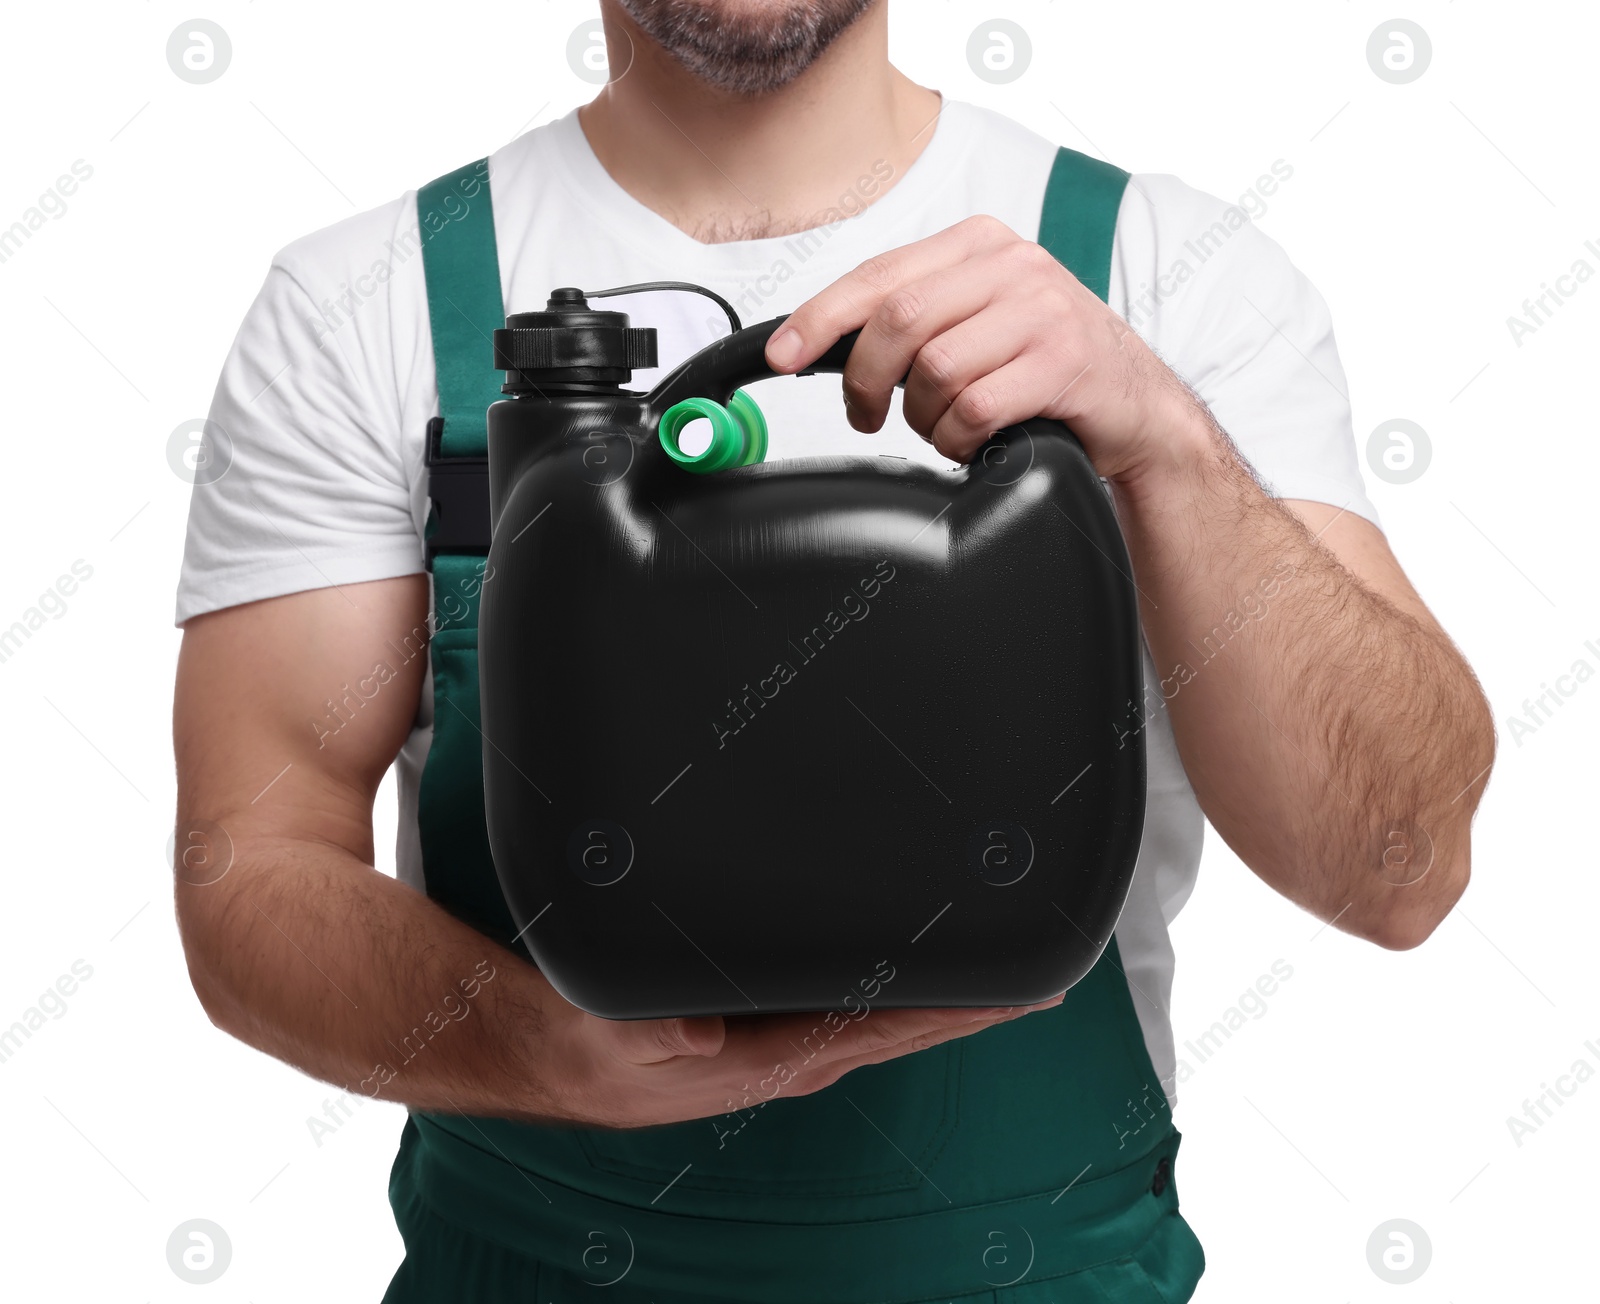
{"x": 303, "y": 483}
{"x": 1223, "y": 305}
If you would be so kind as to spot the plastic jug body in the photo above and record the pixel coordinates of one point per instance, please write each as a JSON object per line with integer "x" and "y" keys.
{"x": 760, "y": 740}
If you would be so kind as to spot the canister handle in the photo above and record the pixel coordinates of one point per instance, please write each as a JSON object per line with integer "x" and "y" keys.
{"x": 738, "y": 359}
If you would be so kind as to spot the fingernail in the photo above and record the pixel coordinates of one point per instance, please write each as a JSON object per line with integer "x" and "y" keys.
{"x": 784, "y": 348}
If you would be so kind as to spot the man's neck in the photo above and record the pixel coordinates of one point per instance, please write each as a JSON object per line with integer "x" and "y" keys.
{"x": 727, "y": 167}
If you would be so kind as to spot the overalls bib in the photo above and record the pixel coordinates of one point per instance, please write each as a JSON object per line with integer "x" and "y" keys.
{"x": 1029, "y": 1162}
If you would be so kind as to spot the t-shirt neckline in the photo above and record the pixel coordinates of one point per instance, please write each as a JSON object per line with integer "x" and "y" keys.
{"x": 640, "y": 227}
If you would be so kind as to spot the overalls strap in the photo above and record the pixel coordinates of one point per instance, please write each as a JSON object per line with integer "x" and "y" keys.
{"x": 461, "y": 266}
{"x": 1078, "y": 223}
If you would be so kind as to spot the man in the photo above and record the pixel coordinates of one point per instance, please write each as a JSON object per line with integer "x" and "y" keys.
{"x": 1331, "y": 732}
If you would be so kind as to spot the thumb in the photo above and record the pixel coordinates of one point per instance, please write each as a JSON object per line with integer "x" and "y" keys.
{"x": 650, "y": 1041}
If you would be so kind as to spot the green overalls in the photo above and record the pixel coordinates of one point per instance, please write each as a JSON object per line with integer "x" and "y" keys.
{"x": 1030, "y": 1162}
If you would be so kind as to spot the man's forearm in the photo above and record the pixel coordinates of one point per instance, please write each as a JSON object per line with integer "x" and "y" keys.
{"x": 1332, "y": 738}
{"x": 309, "y": 955}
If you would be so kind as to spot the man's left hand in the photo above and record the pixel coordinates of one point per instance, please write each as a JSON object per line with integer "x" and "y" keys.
{"x": 993, "y": 331}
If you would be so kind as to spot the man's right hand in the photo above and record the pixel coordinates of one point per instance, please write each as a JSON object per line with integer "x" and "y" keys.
{"x": 298, "y": 946}
{"x": 636, "y": 1073}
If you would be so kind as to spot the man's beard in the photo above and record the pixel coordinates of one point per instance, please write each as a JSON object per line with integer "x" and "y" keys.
{"x": 734, "y": 48}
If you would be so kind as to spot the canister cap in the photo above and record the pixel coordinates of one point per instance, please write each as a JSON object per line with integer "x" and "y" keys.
{"x": 571, "y": 343}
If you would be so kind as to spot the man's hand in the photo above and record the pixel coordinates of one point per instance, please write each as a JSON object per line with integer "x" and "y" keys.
{"x": 634, "y": 1074}
{"x": 1339, "y": 746}
{"x": 994, "y": 331}
{"x": 297, "y": 945}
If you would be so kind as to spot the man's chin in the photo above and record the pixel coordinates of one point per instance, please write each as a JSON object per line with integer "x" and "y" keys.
{"x": 745, "y": 47}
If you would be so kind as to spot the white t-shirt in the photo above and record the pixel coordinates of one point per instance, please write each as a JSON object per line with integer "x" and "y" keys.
{"x": 329, "y": 387}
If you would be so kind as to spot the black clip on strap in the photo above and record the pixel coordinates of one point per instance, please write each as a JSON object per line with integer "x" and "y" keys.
{"x": 458, "y": 494}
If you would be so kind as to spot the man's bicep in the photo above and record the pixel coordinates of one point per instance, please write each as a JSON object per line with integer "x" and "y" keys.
{"x": 1250, "y": 332}
{"x": 307, "y": 475}
{"x": 288, "y": 711}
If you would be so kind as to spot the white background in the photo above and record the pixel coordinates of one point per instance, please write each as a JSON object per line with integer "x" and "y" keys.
{"x": 1376, "y": 1085}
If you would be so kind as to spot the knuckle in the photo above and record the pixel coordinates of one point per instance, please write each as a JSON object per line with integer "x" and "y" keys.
{"x": 856, "y": 391}
{"x": 668, "y": 1037}
{"x": 1026, "y": 261}
{"x": 937, "y": 362}
{"x": 903, "y": 309}
{"x": 804, "y": 319}
{"x": 877, "y": 273}
{"x": 977, "y": 406}
{"x": 1034, "y": 254}
{"x": 986, "y": 225}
